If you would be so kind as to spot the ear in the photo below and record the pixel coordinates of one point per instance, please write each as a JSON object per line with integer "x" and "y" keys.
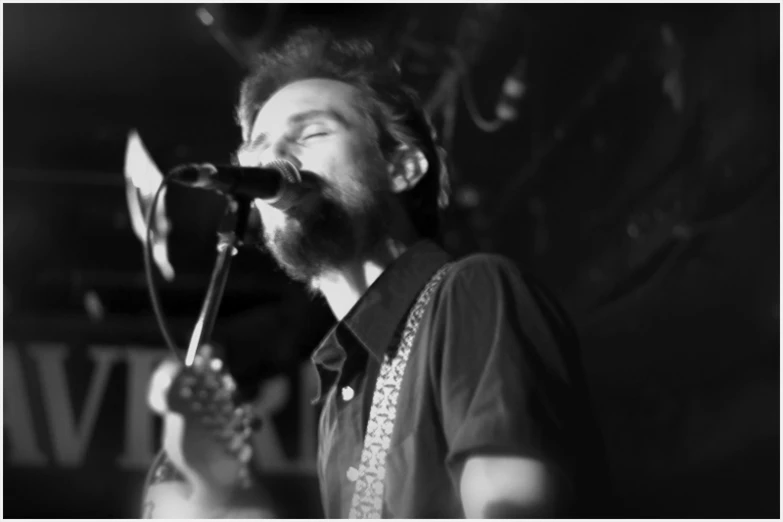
{"x": 407, "y": 168}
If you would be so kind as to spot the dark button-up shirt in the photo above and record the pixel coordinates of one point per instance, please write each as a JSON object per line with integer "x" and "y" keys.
{"x": 492, "y": 370}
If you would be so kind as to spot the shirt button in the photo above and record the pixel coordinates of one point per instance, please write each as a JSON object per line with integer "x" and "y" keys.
{"x": 352, "y": 474}
{"x": 347, "y": 393}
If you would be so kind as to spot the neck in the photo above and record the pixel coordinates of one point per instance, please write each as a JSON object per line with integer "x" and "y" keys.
{"x": 343, "y": 288}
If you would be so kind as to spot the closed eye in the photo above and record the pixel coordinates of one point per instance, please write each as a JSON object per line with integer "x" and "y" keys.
{"x": 314, "y": 135}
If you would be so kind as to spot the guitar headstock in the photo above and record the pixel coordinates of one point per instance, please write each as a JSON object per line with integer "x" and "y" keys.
{"x": 204, "y": 393}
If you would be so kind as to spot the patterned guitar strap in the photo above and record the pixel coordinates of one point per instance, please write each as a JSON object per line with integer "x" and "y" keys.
{"x": 368, "y": 496}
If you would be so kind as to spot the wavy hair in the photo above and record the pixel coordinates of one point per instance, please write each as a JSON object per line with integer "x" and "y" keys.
{"x": 395, "y": 112}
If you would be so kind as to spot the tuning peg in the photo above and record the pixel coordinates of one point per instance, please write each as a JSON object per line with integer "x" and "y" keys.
{"x": 211, "y": 381}
{"x": 198, "y": 362}
{"x": 205, "y": 351}
{"x": 186, "y": 378}
{"x": 245, "y": 454}
{"x": 216, "y": 365}
{"x": 235, "y": 444}
{"x": 229, "y": 383}
{"x": 244, "y": 477}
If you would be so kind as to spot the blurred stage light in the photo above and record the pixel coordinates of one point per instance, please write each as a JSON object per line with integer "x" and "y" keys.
{"x": 467, "y": 196}
{"x": 514, "y": 89}
{"x": 93, "y": 306}
{"x": 142, "y": 179}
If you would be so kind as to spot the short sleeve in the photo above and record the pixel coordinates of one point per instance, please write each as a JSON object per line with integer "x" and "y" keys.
{"x": 496, "y": 370}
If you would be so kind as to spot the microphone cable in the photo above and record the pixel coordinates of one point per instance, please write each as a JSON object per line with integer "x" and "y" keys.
{"x": 150, "y": 276}
{"x": 160, "y": 458}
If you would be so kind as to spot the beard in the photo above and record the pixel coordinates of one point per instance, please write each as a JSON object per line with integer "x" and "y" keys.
{"x": 327, "y": 232}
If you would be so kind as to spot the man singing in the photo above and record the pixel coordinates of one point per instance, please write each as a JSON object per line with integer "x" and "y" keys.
{"x": 450, "y": 388}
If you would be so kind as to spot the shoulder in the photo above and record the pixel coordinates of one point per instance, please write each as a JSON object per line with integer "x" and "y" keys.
{"x": 494, "y": 285}
{"x": 483, "y": 260}
{"x": 480, "y": 271}
{"x": 477, "y": 285}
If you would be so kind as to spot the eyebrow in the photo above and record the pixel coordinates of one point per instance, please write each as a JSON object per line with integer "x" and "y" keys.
{"x": 299, "y": 119}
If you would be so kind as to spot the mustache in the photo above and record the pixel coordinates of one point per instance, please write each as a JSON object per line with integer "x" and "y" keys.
{"x": 312, "y": 181}
{"x": 320, "y": 209}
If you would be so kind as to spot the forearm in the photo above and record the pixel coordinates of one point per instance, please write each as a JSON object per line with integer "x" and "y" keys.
{"x": 510, "y": 487}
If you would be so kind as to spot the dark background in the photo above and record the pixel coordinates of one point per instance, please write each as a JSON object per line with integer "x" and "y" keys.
{"x": 640, "y": 181}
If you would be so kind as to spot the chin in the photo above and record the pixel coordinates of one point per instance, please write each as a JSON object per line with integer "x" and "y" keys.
{"x": 287, "y": 247}
{"x": 310, "y": 240}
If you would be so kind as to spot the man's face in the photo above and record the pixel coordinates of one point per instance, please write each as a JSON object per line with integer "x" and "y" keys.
{"x": 319, "y": 126}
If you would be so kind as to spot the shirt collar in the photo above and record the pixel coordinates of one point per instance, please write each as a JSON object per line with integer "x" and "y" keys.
{"x": 374, "y": 319}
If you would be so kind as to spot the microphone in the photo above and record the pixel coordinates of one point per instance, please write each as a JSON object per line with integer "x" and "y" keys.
{"x": 278, "y": 183}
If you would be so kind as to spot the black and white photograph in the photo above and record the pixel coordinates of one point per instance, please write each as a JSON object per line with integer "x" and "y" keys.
{"x": 408, "y": 261}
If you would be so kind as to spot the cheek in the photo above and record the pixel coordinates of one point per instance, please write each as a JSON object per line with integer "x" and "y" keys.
{"x": 339, "y": 169}
{"x": 365, "y": 169}
{"x": 352, "y": 169}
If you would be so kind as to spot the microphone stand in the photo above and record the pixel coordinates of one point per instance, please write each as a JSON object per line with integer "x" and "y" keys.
{"x": 230, "y": 233}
